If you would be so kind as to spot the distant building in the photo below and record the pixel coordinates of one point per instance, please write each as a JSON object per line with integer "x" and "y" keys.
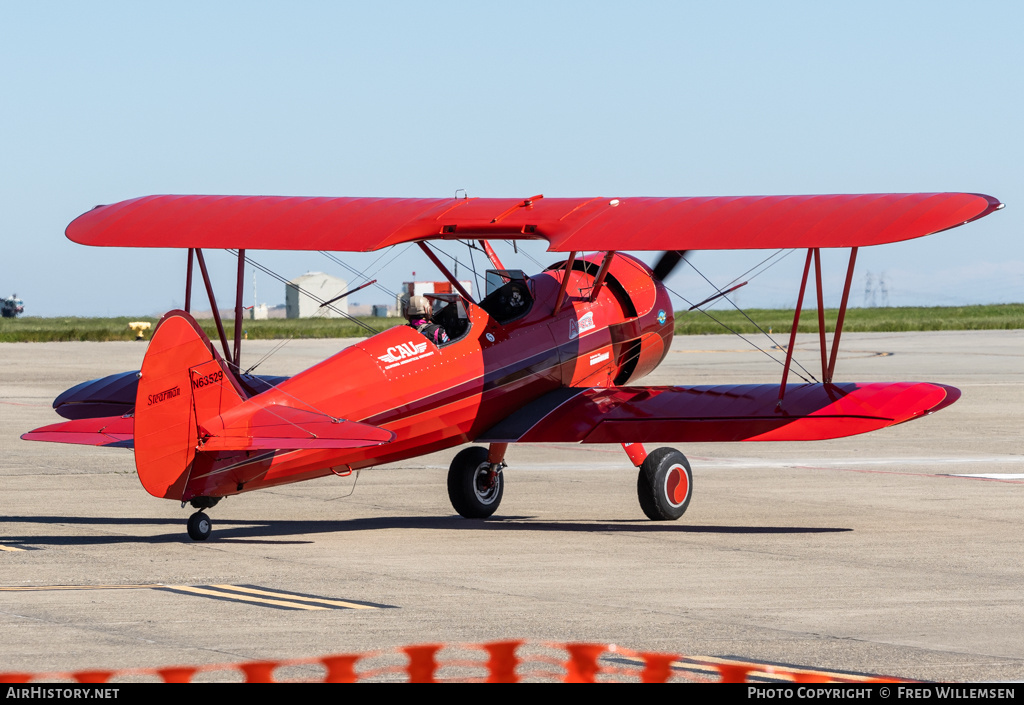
{"x": 323, "y": 286}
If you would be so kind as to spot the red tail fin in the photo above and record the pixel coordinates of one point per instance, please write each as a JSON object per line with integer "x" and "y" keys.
{"x": 183, "y": 381}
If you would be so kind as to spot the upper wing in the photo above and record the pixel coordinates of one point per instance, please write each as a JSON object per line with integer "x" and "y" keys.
{"x": 748, "y": 412}
{"x": 363, "y": 224}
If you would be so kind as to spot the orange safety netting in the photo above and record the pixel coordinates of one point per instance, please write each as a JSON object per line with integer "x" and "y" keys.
{"x": 496, "y": 662}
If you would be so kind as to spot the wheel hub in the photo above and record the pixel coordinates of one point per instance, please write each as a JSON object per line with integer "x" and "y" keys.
{"x": 486, "y": 483}
{"x": 676, "y": 486}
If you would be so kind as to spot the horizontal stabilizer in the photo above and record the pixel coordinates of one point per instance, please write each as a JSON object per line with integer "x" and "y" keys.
{"x": 273, "y": 428}
{"x": 722, "y": 413}
{"x": 111, "y": 431}
{"x": 107, "y": 396}
{"x": 277, "y": 427}
{"x": 114, "y": 395}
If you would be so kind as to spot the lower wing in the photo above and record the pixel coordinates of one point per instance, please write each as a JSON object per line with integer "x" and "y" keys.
{"x": 720, "y": 413}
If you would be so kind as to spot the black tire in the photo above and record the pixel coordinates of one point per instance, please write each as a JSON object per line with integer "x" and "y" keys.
{"x": 660, "y": 485}
{"x": 468, "y": 490}
{"x": 199, "y": 527}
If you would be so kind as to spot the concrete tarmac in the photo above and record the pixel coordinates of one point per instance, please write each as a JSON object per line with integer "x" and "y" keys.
{"x": 884, "y": 553}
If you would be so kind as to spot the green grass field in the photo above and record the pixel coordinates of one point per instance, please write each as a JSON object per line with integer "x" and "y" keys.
{"x": 1003, "y": 316}
{"x": 858, "y": 320}
{"x": 34, "y": 329}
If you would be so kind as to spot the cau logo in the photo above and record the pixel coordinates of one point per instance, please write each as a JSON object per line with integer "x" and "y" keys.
{"x": 403, "y": 353}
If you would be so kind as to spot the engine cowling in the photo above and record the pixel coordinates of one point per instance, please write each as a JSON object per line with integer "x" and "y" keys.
{"x": 643, "y": 337}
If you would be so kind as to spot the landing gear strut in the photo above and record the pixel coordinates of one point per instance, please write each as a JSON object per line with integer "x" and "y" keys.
{"x": 475, "y": 482}
{"x": 199, "y": 525}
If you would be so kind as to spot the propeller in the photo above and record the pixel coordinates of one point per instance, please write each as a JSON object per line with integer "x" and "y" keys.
{"x": 668, "y": 262}
{"x": 671, "y": 259}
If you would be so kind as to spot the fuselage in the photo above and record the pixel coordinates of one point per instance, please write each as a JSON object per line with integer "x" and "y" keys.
{"x": 434, "y": 398}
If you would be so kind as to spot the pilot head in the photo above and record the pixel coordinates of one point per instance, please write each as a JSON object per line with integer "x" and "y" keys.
{"x": 417, "y": 308}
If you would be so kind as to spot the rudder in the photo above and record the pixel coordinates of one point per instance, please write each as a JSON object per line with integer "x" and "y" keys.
{"x": 183, "y": 381}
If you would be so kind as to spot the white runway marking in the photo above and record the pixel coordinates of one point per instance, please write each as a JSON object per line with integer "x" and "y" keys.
{"x": 849, "y": 462}
{"x": 996, "y": 476}
{"x": 923, "y": 466}
{"x": 704, "y": 463}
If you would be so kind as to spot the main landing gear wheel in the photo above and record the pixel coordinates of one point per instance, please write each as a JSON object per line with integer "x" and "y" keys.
{"x": 474, "y": 487}
{"x": 199, "y": 527}
{"x": 664, "y": 484}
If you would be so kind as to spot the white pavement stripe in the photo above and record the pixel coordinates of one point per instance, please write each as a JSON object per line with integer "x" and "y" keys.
{"x": 704, "y": 463}
{"x": 854, "y": 462}
{"x": 996, "y": 476}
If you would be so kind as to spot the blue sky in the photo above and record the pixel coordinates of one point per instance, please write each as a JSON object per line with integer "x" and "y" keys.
{"x": 106, "y": 101}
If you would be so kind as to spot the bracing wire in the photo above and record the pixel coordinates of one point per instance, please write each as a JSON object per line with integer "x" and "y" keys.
{"x": 392, "y": 255}
{"x": 762, "y": 271}
{"x": 752, "y": 321}
{"x": 267, "y": 356}
{"x": 303, "y": 402}
{"x": 302, "y": 291}
{"x": 746, "y": 340}
{"x": 320, "y": 312}
{"x": 277, "y": 348}
{"x": 512, "y": 243}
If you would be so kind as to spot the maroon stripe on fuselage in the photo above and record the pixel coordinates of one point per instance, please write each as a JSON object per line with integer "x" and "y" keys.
{"x": 446, "y": 416}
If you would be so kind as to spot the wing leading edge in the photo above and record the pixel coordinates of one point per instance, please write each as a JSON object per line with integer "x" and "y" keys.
{"x": 721, "y": 413}
{"x": 641, "y": 223}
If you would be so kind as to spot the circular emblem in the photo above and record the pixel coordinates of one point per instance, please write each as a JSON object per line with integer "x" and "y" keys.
{"x": 661, "y": 316}
{"x": 490, "y": 337}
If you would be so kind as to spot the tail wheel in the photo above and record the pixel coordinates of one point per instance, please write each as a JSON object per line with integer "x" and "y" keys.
{"x": 664, "y": 485}
{"x": 199, "y": 527}
{"x": 474, "y": 487}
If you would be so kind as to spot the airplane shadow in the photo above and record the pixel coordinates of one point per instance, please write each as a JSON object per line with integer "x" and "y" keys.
{"x": 277, "y": 532}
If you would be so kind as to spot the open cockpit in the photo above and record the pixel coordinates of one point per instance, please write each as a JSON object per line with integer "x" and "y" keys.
{"x": 450, "y": 312}
{"x": 509, "y": 296}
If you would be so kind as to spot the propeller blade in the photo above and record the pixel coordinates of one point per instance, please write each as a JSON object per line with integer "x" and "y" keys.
{"x": 668, "y": 262}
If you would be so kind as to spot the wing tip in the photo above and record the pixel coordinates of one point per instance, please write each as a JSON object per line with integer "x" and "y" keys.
{"x": 993, "y": 205}
{"x": 952, "y": 396}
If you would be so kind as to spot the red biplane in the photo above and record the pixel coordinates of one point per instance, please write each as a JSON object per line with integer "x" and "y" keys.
{"x": 552, "y": 357}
